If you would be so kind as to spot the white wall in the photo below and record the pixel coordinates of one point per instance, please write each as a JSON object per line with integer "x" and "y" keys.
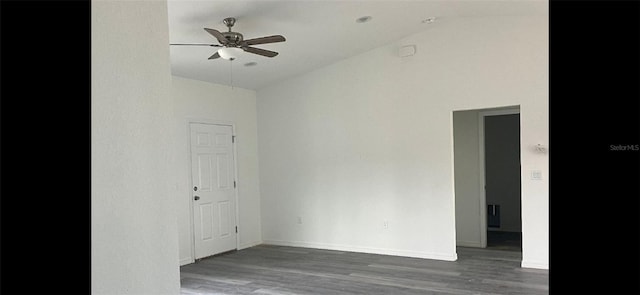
{"x": 212, "y": 102}
{"x": 467, "y": 178}
{"x": 534, "y": 128}
{"x": 134, "y": 246}
{"x": 369, "y": 139}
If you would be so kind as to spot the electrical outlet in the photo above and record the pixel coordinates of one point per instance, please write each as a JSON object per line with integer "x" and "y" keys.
{"x": 385, "y": 224}
{"x": 299, "y": 220}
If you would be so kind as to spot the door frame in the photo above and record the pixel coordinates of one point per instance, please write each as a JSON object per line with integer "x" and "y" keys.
{"x": 190, "y": 173}
{"x": 511, "y": 110}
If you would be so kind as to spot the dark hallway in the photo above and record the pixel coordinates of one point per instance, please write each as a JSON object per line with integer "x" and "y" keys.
{"x": 504, "y": 240}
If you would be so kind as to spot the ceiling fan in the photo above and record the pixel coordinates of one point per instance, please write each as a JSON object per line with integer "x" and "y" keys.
{"x": 232, "y": 42}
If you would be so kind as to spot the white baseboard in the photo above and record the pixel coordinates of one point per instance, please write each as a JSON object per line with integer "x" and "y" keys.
{"x": 416, "y": 254}
{"x": 249, "y": 245}
{"x": 186, "y": 260}
{"x": 538, "y": 265}
{"x": 468, "y": 244}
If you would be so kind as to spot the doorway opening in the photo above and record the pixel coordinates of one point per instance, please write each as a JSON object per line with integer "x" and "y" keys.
{"x": 487, "y": 178}
{"x": 502, "y": 180}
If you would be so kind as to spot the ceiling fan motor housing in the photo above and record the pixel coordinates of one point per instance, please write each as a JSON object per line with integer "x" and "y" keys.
{"x": 233, "y": 37}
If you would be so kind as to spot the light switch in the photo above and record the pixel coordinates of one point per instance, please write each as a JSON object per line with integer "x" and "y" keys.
{"x": 536, "y": 175}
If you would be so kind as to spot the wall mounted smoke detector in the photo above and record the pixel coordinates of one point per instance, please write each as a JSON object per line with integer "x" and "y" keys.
{"x": 407, "y": 50}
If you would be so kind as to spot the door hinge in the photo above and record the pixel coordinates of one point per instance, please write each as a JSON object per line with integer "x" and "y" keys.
{"x": 233, "y": 138}
{"x": 236, "y": 229}
{"x": 234, "y": 184}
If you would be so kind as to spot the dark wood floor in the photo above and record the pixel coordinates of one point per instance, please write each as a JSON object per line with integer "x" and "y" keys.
{"x": 266, "y": 269}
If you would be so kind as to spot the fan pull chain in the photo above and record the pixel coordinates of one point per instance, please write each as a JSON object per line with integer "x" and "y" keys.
{"x": 231, "y": 70}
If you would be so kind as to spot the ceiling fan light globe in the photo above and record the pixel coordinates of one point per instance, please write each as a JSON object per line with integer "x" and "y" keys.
{"x": 229, "y": 53}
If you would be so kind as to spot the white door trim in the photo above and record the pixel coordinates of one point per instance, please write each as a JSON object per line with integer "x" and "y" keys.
{"x": 190, "y": 188}
{"x": 483, "y": 197}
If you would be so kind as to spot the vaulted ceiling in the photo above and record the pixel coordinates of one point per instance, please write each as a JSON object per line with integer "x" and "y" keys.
{"x": 317, "y": 33}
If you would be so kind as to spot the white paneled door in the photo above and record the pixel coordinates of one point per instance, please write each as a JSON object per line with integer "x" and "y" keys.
{"x": 213, "y": 191}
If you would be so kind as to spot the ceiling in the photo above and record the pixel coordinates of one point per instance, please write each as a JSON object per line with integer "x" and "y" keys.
{"x": 317, "y": 33}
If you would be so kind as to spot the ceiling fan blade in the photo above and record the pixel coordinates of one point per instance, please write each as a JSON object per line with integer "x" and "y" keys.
{"x": 214, "y": 56}
{"x": 264, "y": 40}
{"x": 218, "y": 35}
{"x": 212, "y": 45}
{"x": 267, "y": 53}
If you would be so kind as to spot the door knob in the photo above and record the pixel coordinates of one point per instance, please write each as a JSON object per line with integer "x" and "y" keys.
{"x": 196, "y": 198}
